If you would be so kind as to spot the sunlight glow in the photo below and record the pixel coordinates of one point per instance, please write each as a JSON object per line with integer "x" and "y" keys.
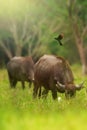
{"x": 11, "y": 7}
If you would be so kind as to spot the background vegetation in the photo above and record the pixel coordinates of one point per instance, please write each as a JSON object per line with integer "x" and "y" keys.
{"x": 28, "y": 27}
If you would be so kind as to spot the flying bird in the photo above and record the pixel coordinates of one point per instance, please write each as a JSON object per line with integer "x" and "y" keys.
{"x": 59, "y": 38}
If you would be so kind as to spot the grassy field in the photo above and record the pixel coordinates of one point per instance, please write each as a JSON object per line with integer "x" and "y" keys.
{"x": 19, "y": 111}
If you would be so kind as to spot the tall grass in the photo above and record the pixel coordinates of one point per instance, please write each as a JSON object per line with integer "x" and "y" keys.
{"x": 19, "y": 111}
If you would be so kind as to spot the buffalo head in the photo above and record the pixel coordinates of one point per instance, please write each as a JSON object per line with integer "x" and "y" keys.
{"x": 69, "y": 89}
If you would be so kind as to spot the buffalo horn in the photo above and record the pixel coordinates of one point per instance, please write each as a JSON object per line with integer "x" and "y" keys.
{"x": 60, "y": 85}
{"x": 80, "y": 86}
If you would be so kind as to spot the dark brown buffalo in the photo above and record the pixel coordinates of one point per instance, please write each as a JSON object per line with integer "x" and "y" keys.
{"x": 20, "y": 69}
{"x": 54, "y": 73}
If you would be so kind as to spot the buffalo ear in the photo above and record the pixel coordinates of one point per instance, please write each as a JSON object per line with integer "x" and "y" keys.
{"x": 80, "y": 86}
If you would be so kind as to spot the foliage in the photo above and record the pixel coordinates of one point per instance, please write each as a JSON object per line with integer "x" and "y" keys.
{"x": 31, "y": 26}
{"x": 28, "y": 27}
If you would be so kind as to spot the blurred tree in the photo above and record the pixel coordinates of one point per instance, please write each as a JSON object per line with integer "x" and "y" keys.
{"x": 78, "y": 18}
{"x": 34, "y": 25}
{"x": 28, "y": 27}
{"x": 5, "y": 43}
{"x": 19, "y": 25}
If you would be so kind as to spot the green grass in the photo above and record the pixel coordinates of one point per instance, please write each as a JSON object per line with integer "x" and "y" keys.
{"x": 19, "y": 111}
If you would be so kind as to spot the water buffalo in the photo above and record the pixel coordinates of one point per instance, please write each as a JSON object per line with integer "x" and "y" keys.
{"x": 54, "y": 73}
{"x": 20, "y": 69}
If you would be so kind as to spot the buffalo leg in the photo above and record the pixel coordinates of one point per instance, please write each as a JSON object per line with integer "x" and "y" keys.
{"x": 45, "y": 93}
{"x": 10, "y": 80}
{"x": 30, "y": 83}
{"x": 11, "y": 83}
{"x": 35, "y": 91}
{"x": 23, "y": 84}
{"x": 14, "y": 83}
{"x": 54, "y": 94}
{"x": 67, "y": 95}
{"x": 39, "y": 95}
